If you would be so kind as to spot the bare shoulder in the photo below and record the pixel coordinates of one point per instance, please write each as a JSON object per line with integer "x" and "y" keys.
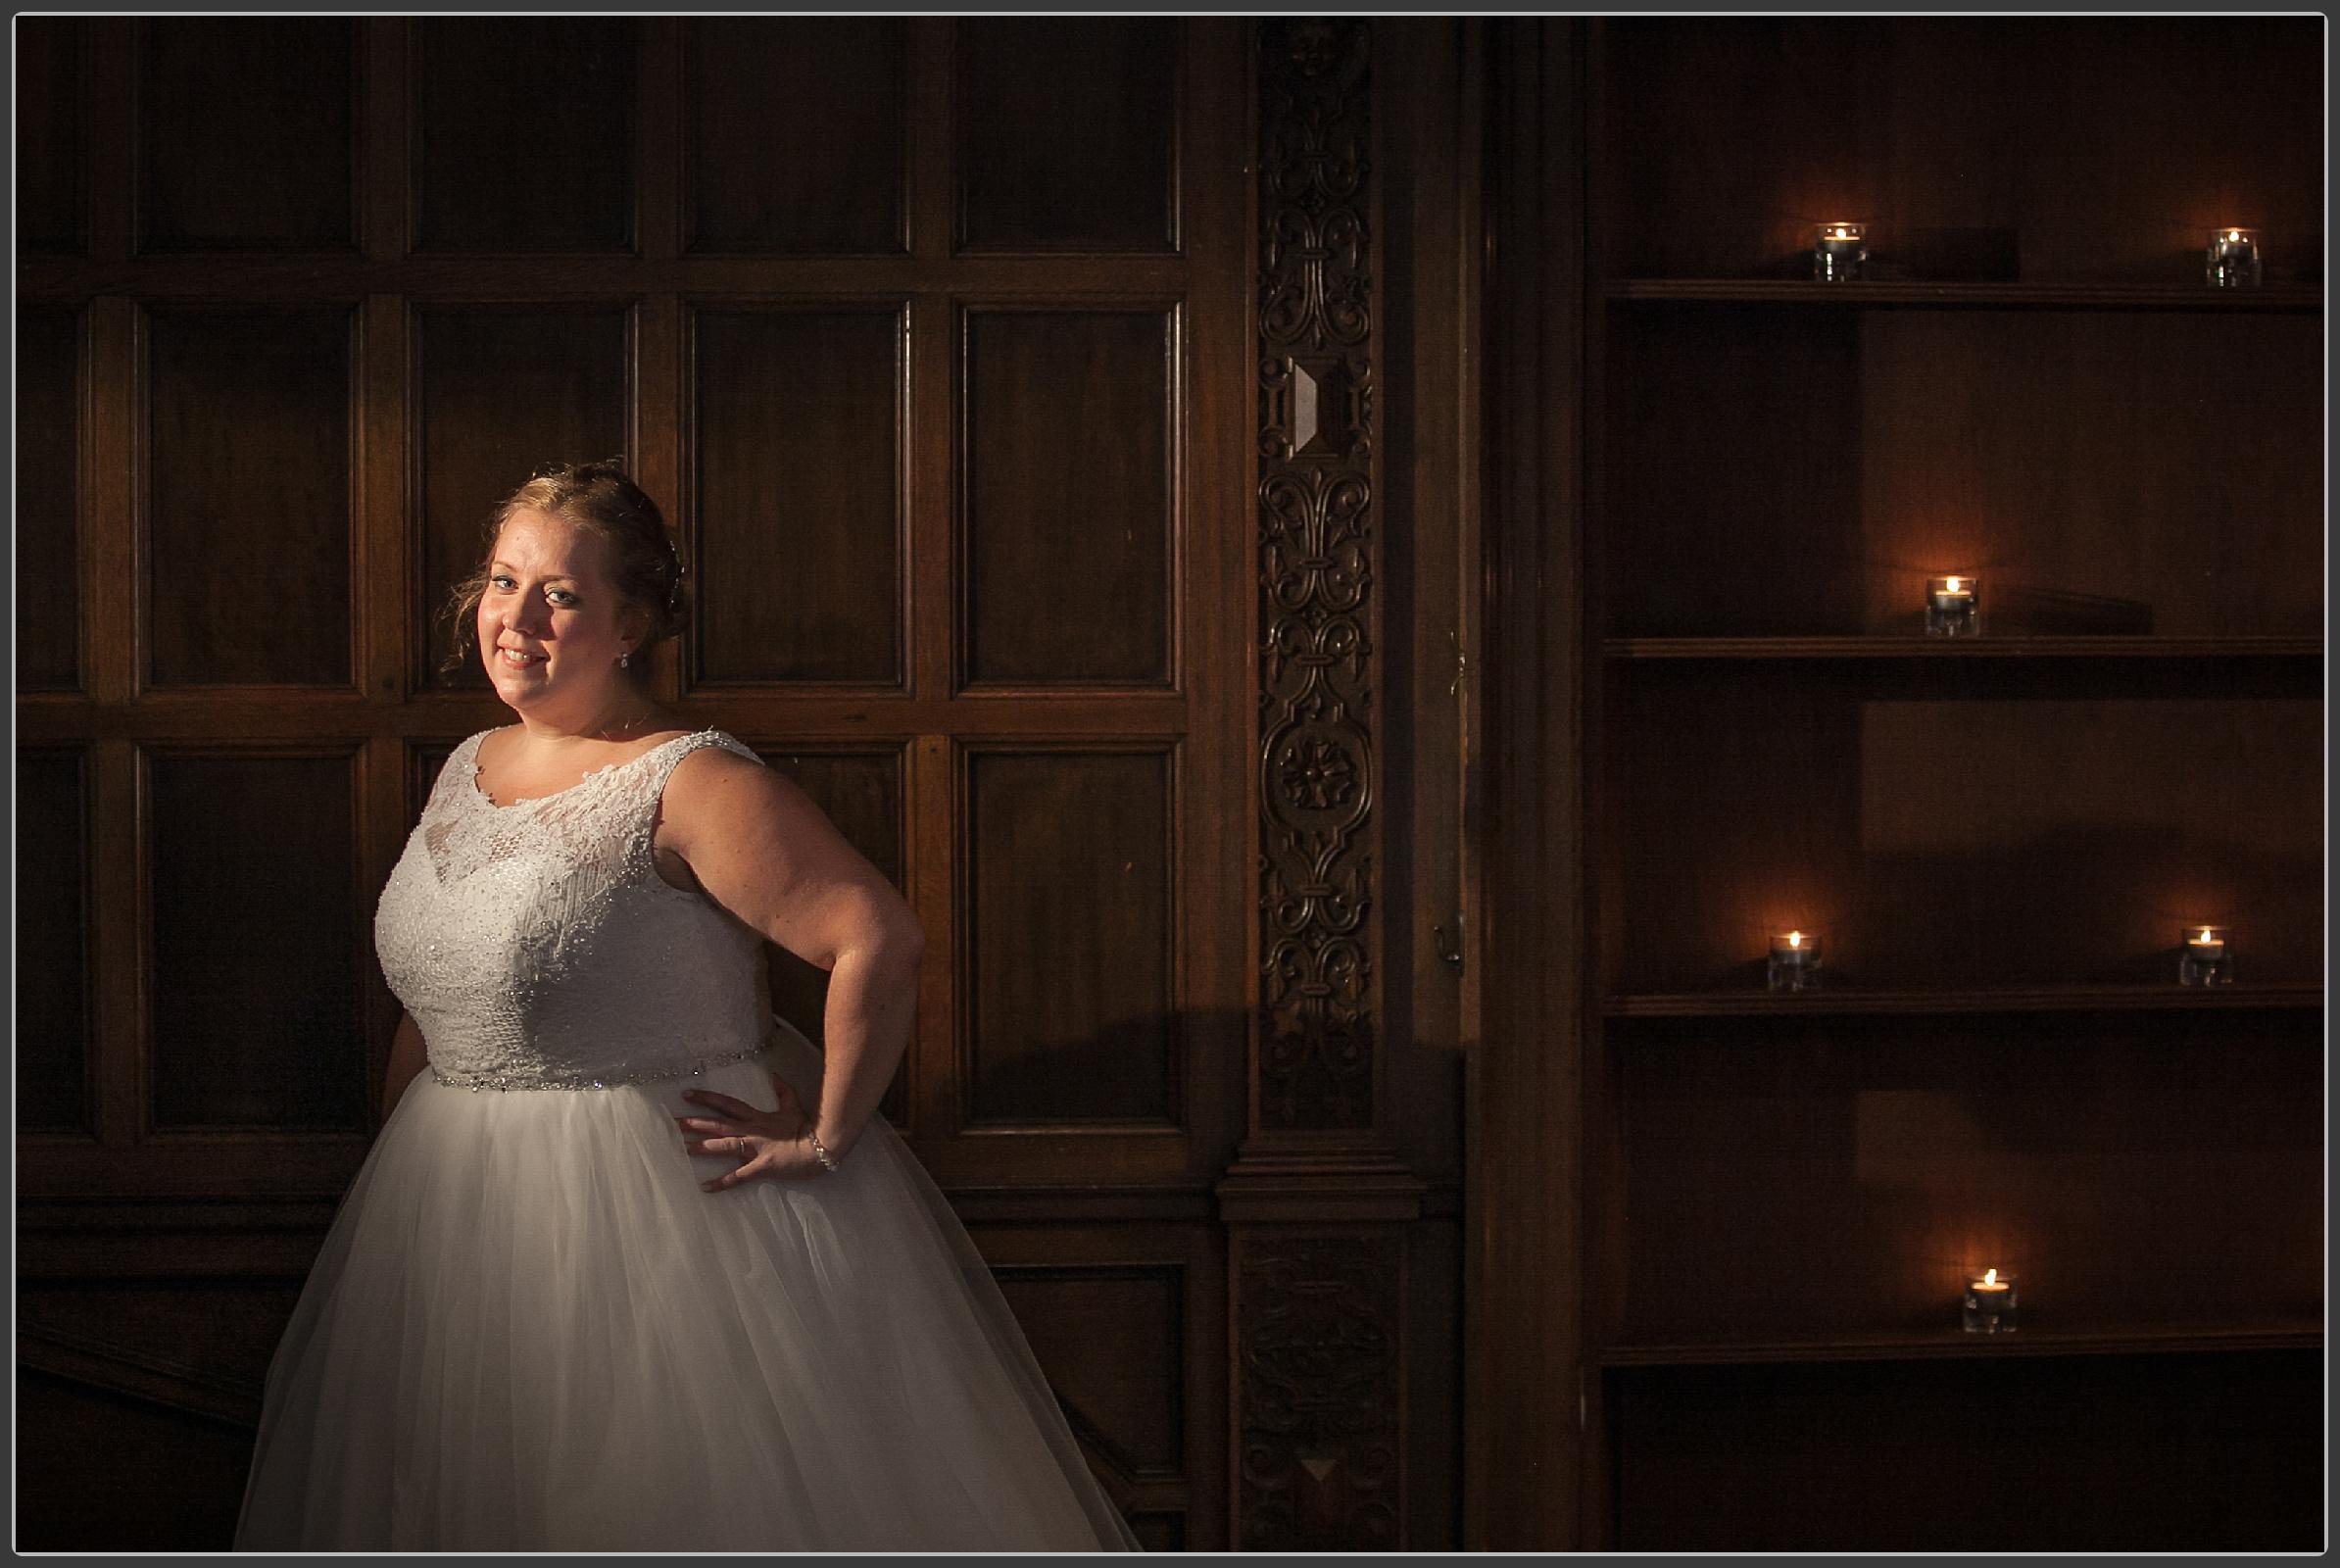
{"x": 714, "y": 790}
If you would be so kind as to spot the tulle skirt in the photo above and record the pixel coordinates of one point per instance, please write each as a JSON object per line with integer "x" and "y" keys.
{"x": 530, "y": 1329}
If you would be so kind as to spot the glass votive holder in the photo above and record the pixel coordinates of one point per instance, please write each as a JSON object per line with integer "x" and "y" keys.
{"x": 1953, "y": 607}
{"x": 1839, "y": 252}
{"x": 1795, "y": 961}
{"x": 2232, "y": 259}
{"x": 2204, "y": 957}
{"x": 1990, "y": 1304}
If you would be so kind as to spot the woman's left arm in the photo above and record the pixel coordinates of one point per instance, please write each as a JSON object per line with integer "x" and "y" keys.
{"x": 763, "y": 850}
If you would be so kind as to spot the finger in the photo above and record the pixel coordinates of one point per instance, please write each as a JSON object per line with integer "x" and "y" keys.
{"x": 702, "y": 1124}
{"x": 722, "y": 1102}
{"x": 730, "y": 1178}
{"x": 724, "y": 1147}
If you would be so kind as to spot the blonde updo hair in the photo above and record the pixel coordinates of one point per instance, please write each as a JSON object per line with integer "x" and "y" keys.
{"x": 604, "y": 500}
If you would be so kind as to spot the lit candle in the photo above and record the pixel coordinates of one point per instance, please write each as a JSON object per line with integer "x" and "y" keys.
{"x": 2232, "y": 259}
{"x": 1795, "y": 960}
{"x": 1990, "y": 1307}
{"x": 2203, "y": 958}
{"x": 1839, "y": 252}
{"x": 1953, "y": 606}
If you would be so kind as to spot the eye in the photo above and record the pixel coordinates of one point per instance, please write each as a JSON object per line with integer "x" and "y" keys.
{"x": 561, "y": 596}
{"x": 501, "y": 580}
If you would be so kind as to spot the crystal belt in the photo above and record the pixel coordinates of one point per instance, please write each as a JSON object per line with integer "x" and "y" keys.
{"x": 689, "y": 1068}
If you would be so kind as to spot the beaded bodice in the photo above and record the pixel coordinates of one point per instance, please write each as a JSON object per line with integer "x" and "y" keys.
{"x": 536, "y": 945}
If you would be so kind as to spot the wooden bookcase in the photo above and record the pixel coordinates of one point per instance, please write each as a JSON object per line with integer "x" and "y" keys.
{"x": 1998, "y": 838}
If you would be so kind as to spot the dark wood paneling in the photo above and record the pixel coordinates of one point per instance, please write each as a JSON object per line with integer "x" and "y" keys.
{"x": 2209, "y": 1453}
{"x": 253, "y": 1010}
{"x": 247, "y": 496}
{"x": 52, "y": 106}
{"x": 109, "y": 1473}
{"x": 53, "y": 897}
{"x": 498, "y": 393}
{"x": 2103, "y": 471}
{"x": 1121, "y": 1392}
{"x": 48, "y": 500}
{"x": 798, "y": 494}
{"x": 525, "y": 134}
{"x": 1067, "y": 957}
{"x": 1067, "y": 134}
{"x": 2074, "y": 149}
{"x": 1804, "y": 1180}
{"x": 1953, "y": 838}
{"x": 861, "y": 792}
{"x": 1068, "y": 423}
{"x": 798, "y": 134}
{"x": 246, "y": 133}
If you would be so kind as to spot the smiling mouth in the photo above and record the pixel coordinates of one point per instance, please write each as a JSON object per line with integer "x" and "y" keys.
{"x": 518, "y": 660}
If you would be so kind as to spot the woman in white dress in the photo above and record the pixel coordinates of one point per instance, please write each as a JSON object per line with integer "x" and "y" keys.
{"x": 631, "y": 1266}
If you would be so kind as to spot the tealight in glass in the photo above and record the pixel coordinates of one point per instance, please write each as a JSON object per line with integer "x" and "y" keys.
{"x": 2232, "y": 259}
{"x": 1839, "y": 252}
{"x": 1794, "y": 963}
{"x": 1990, "y": 1304}
{"x": 2204, "y": 957}
{"x": 1953, "y": 607}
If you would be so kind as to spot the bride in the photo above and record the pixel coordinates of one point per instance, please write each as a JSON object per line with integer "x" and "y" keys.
{"x": 631, "y": 1266}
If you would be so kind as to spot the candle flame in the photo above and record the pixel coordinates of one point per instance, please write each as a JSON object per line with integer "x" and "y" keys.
{"x": 2234, "y": 234}
{"x": 1990, "y": 1276}
{"x": 1795, "y": 938}
{"x": 1951, "y": 586}
{"x": 2205, "y": 936}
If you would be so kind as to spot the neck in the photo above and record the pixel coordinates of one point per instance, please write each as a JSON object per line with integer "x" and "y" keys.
{"x": 620, "y": 715}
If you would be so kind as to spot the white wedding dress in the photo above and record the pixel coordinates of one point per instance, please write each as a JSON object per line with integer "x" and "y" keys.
{"x": 530, "y": 1327}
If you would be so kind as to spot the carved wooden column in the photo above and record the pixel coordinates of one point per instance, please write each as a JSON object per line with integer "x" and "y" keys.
{"x": 1316, "y": 1203}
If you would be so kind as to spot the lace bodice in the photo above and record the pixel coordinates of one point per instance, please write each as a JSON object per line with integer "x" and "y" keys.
{"x": 536, "y": 945}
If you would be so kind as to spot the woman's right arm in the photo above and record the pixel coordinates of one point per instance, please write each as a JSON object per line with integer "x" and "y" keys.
{"x": 406, "y": 1058}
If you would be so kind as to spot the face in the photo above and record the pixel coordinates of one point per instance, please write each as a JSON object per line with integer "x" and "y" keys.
{"x": 552, "y": 624}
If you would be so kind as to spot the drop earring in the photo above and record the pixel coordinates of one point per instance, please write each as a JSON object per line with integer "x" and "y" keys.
{"x": 621, "y": 659}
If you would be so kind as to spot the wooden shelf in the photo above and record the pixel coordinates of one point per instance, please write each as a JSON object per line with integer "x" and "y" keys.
{"x": 2039, "y": 998}
{"x": 1952, "y": 1344}
{"x": 1962, "y": 648}
{"x": 2274, "y": 298}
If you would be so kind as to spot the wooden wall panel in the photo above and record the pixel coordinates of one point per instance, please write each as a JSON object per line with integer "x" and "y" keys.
{"x": 49, "y": 430}
{"x": 1067, "y": 952}
{"x": 525, "y": 134}
{"x": 247, "y": 134}
{"x": 52, "y": 111}
{"x": 131, "y": 1474}
{"x": 53, "y": 948}
{"x": 798, "y": 494}
{"x": 247, "y": 496}
{"x": 798, "y": 138}
{"x": 737, "y": 253}
{"x": 1069, "y": 419}
{"x": 1122, "y": 1395}
{"x": 252, "y": 998}
{"x": 862, "y": 794}
{"x": 1067, "y": 133}
{"x": 501, "y": 392}
{"x": 2152, "y": 1454}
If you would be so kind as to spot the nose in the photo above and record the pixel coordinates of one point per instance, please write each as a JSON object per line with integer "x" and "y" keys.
{"x": 527, "y": 615}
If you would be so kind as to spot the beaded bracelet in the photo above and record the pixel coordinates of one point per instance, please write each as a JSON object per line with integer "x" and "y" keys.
{"x": 821, "y": 1153}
